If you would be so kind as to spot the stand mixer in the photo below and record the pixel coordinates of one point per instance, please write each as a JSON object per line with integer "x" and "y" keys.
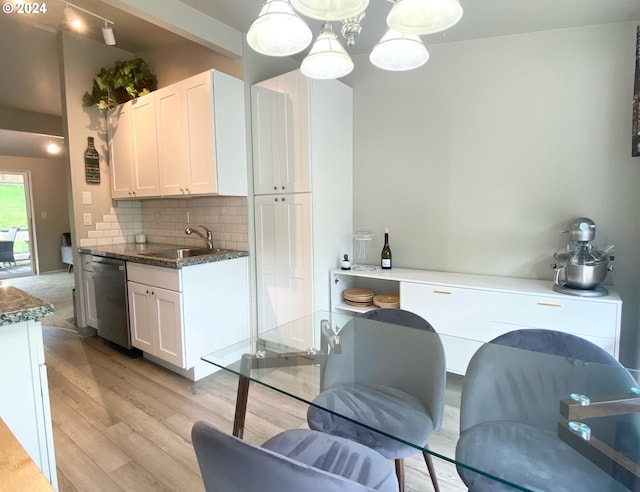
{"x": 581, "y": 268}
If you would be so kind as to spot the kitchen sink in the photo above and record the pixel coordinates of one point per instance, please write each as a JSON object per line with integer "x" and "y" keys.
{"x": 184, "y": 252}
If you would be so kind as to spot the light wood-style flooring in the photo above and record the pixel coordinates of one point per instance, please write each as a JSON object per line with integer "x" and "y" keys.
{"x": 122, "y": 423}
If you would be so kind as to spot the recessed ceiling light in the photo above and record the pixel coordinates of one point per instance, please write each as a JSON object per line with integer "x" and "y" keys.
{"x": 53, "y": 148}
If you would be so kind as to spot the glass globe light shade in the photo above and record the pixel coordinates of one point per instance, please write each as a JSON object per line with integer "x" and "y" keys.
{"x": 424, "y": 16}
{"x": 278, "y": 30}
{"x": 327, "y": 59}
{"x": 397, "y": 51}
{"x": 330, "y": 10}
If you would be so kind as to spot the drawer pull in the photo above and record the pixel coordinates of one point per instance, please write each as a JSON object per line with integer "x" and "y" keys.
{"x": 442, "y": 292}
{"x": 548, "y": 304}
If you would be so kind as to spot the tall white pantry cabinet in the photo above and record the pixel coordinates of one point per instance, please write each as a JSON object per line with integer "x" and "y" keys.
{"x": 303, "y": 187}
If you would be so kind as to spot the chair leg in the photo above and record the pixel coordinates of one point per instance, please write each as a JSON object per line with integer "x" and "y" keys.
{"x": 400, "y": 473}
{"x": 432, "y": 471}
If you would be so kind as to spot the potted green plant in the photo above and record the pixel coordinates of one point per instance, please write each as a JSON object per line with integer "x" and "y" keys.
{"x": 124, "y": 81}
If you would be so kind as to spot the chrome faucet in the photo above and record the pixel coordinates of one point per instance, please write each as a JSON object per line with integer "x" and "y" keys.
{"x": 208, "y": 238}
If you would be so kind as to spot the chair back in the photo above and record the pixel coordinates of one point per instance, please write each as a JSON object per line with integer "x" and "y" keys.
{"x": 10, "y": 234}
{"x": 373, "y": 353}
{"x": 228, "y": 464}
{"x": 526, "y": 384}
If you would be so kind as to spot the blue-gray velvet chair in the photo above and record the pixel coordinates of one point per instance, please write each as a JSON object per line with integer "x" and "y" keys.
{"x": 400, "y": 386}
{"x": 298, "y": 460}
{"x": 510, "y": 410}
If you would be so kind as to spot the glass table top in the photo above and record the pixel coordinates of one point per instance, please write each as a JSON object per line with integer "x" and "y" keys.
{"x": 576, "y": 406}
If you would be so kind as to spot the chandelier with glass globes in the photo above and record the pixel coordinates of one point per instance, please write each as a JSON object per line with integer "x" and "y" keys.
{"x": 280, "y": 30}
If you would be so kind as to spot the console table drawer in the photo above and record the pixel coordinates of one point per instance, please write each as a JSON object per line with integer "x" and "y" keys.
{"x": 451, "y": 311}
{"x": 581, "y": 317}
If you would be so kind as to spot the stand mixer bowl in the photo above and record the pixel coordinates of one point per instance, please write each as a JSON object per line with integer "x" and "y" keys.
{"x": 580, "y": 276}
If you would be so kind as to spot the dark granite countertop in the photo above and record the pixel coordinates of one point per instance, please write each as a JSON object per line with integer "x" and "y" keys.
{"x": 138, "y": 253}
{"x": 17, "y": 306}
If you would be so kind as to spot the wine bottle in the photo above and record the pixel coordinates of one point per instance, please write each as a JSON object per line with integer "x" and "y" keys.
{"x": 385, "y": 256}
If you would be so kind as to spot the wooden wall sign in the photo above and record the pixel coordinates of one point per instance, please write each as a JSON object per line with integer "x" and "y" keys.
{"x": 91, "y": 163}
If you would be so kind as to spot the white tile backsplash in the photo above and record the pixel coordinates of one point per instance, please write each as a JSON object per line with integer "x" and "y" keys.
{"x": 164, "y": 221}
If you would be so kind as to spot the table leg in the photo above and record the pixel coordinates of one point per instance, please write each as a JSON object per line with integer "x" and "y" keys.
{"x": 241, "y": 407}
{"x": 266, "y": 361}
{"x": 242, "y": 397}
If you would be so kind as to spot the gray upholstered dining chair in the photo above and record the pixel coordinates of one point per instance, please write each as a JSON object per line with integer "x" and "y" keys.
{"x": 510, "y": 410}
{"x": 297, "y": 460}
{"x": 400, "y": 385}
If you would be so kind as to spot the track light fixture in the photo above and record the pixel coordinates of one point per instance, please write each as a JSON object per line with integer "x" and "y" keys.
{"x": 107, "y": 35}
{"x": 75, "y": 22}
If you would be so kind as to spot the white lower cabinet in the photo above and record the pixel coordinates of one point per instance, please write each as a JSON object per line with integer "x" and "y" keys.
{"x": 91, "y": 317}
{"x": 474, "y": 309}
{"x": 283, "y": 258}
{"x": 156, "y": 321}
{"x": 24, "y": 404}
{"x": 178, "y": 315}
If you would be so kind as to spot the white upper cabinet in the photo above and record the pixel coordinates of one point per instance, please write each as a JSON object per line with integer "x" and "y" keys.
{"x": 133, "y": 153}
{"x": 146, "y": 179}
{"x": 195, "y": 133}
{"x": 171, "y": 142}
{"x": 200, "y": 137}
{"x": 120, "y": 152}
{"x": 281, "y": 135}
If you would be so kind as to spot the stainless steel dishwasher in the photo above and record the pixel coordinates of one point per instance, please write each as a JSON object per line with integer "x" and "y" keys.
{"x": 110, "y": 279}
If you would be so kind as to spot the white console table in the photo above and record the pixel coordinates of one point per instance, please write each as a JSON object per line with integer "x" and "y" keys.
{"x": 477, "y": 308}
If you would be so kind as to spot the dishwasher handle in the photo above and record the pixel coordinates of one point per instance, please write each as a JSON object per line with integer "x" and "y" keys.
{"x": 107, "y": 264}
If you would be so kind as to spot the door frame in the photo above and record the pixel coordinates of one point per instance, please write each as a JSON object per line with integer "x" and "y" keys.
{"x": 28, "y": 199}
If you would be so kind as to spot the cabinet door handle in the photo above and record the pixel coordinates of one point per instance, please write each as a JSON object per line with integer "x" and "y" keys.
{"x": 275, "y": 199}
{"x": 549, "y": 304}
{"x": 283, "y": 187}
{"x": 282, "y": 199}
{"x": 442, "y": 292}
{"x": 275, "y": 187}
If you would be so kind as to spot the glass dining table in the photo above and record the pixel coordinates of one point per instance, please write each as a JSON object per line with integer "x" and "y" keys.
{"x": 578, "y": 417}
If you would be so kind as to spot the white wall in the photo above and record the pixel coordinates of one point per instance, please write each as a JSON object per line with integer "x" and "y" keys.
{"x": 477, "y": 160}
{"x": 81, "y": 60}
{"x": 178, "y": 62}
